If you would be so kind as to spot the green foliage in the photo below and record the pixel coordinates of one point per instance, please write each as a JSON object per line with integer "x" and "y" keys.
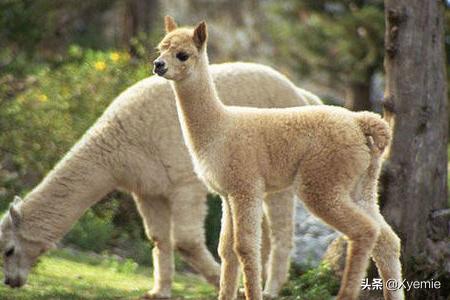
{"x": 212, "y": 223}
{"x": 343, "y": 39}
{"x": 314, "y": 284}
{"x": 19, "y": 22}
{"x": 101, "y": 229}
{"x": 139, "y": 249}
{"x": 91, "y": 232}
{"x": 26, "y": 24}
{"x": 42, "y": 115}
{"x": 44, "y": 120}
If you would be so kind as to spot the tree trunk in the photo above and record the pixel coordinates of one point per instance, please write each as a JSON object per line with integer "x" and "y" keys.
{"x": 140, "y": 16}
{"x": 414, "y": 180}
{"x": 358, "y": 96}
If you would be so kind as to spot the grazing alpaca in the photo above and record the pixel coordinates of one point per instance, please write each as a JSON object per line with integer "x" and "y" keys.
{"x": 329, "y": 155}
{"x": 137, "y": 146}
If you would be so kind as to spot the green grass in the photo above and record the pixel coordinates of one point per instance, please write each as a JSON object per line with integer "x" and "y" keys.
{"x": 311, "y": 284}
{"x": 69, "y": 275}
{"x": 61, "y": 275}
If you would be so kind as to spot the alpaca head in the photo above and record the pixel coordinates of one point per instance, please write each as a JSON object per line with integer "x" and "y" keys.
{"x": 19, "y": 253}
{"x": 182, "y": 50}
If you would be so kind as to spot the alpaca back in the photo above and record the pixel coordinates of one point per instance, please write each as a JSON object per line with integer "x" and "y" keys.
{"x": 255, "y": 85}
{"x": 142, "y": 127}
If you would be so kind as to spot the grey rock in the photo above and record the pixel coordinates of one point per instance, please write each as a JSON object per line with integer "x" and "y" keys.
{"x": 311, "y": 237}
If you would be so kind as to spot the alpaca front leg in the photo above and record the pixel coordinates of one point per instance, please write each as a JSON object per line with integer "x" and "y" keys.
{"x": 229, "y": 276}
{"x": 188, "y": 217}
{"x": 247, "y": 217}
{"x": 279, "y": 209}
{"x": 155, "y": 212}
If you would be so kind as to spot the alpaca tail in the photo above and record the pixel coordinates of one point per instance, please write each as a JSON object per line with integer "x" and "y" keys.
{"x": 376, "y": 129}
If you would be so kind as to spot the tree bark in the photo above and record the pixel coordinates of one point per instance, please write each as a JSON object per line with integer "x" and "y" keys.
{"x": 358, "y": 96}
{"x": 414, "y": 179}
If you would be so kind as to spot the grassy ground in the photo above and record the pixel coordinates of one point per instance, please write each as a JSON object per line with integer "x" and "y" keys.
{"x": 61, "y": 275}
{"x": 70, "y": 275}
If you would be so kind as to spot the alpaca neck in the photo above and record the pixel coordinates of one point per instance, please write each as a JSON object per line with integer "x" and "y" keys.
{"x": 199, "y": 109}
{"x": 50, "y": 210}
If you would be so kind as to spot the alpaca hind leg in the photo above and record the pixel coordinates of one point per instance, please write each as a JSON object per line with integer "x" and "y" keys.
{"x": 338, "y": 210}
{"x": 188, "y": 217}
{"x": 246, "y": 211}
{"x": 155, "y": 212}
{"x": 279, "y": 208}
{"x": 386, "y": 255}
{"x": 265, "y": 247}
{"x": 386, "y": 252}
{"x": 229, "y": 277}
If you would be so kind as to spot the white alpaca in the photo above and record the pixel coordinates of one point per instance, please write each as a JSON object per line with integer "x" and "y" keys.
{"x": 329, "y": 155}
{"x": 137, "y": 146}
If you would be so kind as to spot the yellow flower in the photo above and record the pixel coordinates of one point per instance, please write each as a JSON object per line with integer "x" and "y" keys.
{"x": 42, "y": 98}
{"x": 100, "y": 65}
{"x": 115, "y": 56}
{"x": 126, "y": 56}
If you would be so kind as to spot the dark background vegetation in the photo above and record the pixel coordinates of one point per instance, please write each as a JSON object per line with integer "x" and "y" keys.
{"x": 63, "y": 62}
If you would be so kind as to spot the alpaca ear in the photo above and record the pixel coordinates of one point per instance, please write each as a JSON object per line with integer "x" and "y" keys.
{"x": 200, "y": 34}
{"x": 15, "y": 215}
{"x": 169, "y": 24}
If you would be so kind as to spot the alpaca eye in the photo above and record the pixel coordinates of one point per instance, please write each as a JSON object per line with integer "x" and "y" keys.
{"x": 183, "y": 56}
{"x": 9, "y": 252}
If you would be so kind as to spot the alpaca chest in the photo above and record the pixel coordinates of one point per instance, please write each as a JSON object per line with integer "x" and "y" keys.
{"x": 208, "y": 171}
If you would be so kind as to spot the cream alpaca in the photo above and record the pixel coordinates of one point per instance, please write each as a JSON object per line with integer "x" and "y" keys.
{"x": 329, "y": 155}
{"x": 137, "y": 146}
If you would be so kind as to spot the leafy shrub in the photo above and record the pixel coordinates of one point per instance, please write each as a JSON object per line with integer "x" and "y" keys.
{"x": 314, "y": 284}
{"x": 41, "y": 122}
{"x": 212, "y": 223}
{"x": 91, "y": 232}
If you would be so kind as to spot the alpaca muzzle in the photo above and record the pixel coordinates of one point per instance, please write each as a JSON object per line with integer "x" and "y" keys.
{"x": 14, "y": 282}
{"x": 159, "y": 67}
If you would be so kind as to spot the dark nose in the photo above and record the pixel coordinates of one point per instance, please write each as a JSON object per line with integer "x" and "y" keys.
{"x": 6, "y": 281}
{"x": 160, "y": 67}
{"x": 159, "y": 64}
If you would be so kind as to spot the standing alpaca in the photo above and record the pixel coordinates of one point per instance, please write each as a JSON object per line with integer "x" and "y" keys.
{"x": 329, "y": 155}
{"x": 137, "y": 146}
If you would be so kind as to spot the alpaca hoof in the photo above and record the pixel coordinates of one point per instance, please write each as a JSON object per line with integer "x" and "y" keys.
{"x": 156, "y": 295}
